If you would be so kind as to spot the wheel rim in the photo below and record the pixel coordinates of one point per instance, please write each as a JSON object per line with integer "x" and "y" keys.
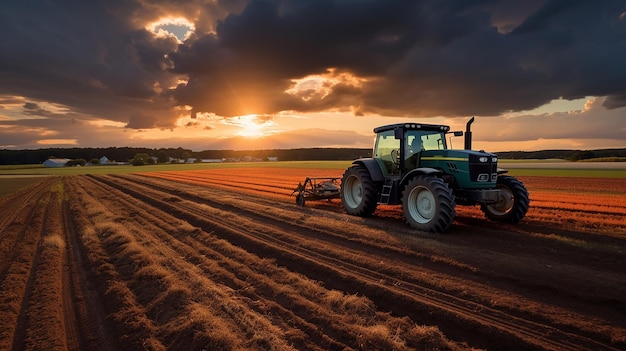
{"x": 421, "y": 204}
{"x": 505, "y": 202}
{"x": 354, "y": 192}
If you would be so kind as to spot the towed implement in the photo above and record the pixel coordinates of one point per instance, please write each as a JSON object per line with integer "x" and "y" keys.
{"x": 317, "y": 189}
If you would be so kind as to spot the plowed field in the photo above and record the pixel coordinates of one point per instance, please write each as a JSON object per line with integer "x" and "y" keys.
{"x": 225, "y": 260}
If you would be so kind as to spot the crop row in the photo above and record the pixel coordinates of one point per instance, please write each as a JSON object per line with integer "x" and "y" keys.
{"x": 176, "y": 286}
{"x": 31, "y": 283}
{"x": 208, "y": 260}
{"x": 377, "y": 232}
{"x": 585, "y": 204}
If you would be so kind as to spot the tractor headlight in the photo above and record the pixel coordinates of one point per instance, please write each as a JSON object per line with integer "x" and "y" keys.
{"x": 494, "y": 159}
{"x": 483, "y": 159}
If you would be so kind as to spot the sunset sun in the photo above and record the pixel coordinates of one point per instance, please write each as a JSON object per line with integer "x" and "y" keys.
{"x": 251, "y": 126}
{"x": 251, "y": 130}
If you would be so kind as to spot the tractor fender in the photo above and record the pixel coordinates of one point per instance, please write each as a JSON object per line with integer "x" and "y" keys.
{"x": 372, "y": 168}
{"x": 419, "y": 171}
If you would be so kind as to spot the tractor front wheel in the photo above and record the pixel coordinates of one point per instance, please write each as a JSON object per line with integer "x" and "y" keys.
{"x": 358, "y": 192}
{"x": 428, "y": 204}
{"x": 513, "y": 201}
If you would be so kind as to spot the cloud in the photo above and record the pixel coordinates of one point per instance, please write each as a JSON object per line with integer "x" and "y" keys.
{"x": 301, "y": 138}
{"x": 419, "y": 58}
{"x": 141, "y": 121}
{"x": 594, "y": 122}
{"x": 593, "y": 125}
{"x": 100, "y": 61}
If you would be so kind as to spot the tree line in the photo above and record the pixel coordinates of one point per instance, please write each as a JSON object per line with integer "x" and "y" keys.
{"x": 128, "y": 154}
{"x": 570, "y": 155}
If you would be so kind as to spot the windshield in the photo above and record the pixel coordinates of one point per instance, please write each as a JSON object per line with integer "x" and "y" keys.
{"x": 419, "y": 140}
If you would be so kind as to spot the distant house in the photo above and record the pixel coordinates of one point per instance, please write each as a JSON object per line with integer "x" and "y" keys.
{"x": 104, "y": 160}
{"x": 55, "y": 162}
{"x": 272, "y": 158}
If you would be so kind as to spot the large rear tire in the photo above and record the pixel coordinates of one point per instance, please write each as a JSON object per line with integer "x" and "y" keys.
{"x": 513, "y": 201}
{"x": 358, "y": 192}
{"x": 428, "y": 204}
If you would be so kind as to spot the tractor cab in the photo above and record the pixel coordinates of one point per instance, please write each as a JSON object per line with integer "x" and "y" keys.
{"x": 399, "y": 147}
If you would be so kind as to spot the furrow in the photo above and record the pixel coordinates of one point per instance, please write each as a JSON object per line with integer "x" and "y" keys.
{"x": 524, "y": 328}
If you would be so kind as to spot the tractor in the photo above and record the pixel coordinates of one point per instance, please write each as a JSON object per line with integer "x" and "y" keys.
{"x": 413, "y": 165}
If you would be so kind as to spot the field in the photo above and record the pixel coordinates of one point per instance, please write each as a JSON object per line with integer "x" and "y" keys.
{"x": 222, "y": 259}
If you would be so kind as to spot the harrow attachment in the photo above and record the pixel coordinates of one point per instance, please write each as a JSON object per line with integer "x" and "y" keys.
{"x": 317, "y": 189}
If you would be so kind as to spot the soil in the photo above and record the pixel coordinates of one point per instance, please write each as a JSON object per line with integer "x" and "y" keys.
{"x": 214, "y": 260}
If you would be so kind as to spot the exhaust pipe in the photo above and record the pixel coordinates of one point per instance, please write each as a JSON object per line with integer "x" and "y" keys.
{"x": 468, "y": 134}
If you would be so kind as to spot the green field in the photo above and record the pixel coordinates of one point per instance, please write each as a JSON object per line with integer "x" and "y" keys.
{"x": 568, "y": 172}
{"x": 123, "y": 169}
{"x": 516, "y": 168}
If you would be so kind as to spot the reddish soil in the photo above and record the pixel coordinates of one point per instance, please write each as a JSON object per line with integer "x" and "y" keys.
{"x": 224, "y": 260}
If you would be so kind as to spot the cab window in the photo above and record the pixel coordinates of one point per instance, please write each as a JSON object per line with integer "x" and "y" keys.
{"x": 387, "y": 150}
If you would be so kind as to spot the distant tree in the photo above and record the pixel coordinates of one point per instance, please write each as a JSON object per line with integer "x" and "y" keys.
{"x": 95, "y": 161}
{"x": 162, "y": 156}
{"x": 582, "y": 155}
{"x": 142, "y": 159}
{"x": 186, "y": 155}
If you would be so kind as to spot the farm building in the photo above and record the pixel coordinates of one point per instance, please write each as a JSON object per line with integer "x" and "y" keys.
{"x": 104, "y": 160}
{"x": 55, "y": 162}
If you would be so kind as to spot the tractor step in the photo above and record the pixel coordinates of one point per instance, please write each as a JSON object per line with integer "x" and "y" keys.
{"x": 385, "y": 195}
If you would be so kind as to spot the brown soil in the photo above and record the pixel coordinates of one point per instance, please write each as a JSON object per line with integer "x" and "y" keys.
{"x": 213, "y": 260}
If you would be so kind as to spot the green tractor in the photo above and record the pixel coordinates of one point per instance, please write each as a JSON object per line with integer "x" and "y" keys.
{"x": 413, "y": 165}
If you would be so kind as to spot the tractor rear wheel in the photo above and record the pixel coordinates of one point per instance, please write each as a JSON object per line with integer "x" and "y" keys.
{"x": 513, "y": 201}
{"x": 358, "y": 192}
{"x": 428, "y": 204}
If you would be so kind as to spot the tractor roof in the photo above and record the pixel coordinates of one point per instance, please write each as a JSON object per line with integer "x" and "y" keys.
{"x": 412, "y": 125}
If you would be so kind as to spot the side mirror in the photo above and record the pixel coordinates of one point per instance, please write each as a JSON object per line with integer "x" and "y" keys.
{"x": 458, "y": 133}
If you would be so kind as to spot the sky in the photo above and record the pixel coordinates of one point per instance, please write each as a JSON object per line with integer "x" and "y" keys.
{"x": 279, "y": 74}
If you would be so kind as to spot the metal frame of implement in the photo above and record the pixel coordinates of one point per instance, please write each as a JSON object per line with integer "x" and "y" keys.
{"x": 317, "y": 189}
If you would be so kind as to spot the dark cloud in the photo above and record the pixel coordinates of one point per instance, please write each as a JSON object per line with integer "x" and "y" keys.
{"x": 421, "y": 57}
{"x": 418, "y": 58}
{"x": 141, "y": 121}
{"x": 31, "y": 106}
{"x": 85, "y": 55}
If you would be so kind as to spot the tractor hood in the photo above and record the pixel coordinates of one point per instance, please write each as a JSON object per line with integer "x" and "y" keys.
{"x": 472, "y": 169}
{"x": 456, "y": 155}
